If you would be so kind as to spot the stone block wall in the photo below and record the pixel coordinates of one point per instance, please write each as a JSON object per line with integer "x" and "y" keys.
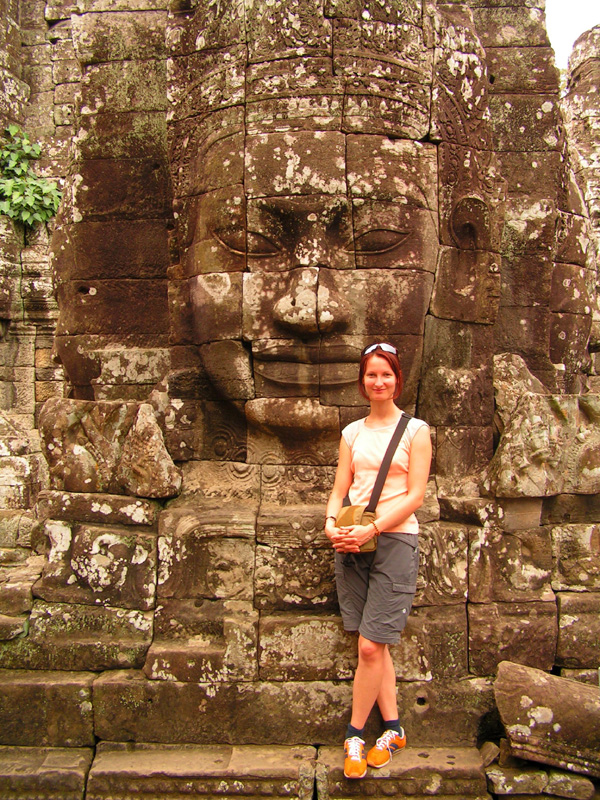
{"x": 582, "y": 113}
{"x": 171, "y": 581}
{"x": 34, "y": 43}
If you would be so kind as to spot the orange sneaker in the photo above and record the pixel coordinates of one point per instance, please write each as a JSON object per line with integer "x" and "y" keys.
{"x": 388, "y": 743}
{"x": 355, "y": 764}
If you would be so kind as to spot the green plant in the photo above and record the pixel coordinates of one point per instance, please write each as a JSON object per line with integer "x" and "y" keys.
{"x": 24, "y": 196}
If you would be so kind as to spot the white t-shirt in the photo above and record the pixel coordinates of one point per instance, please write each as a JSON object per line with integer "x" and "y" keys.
{"x": 368, "y": 446}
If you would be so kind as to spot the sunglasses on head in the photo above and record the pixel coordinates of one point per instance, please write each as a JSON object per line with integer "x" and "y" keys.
{"x": 388, "y": 348}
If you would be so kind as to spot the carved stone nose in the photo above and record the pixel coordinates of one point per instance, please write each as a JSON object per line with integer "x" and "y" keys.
{"x": 296, "y": 310}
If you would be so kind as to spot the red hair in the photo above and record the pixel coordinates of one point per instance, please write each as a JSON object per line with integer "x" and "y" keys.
{"x": 393, "y": 361}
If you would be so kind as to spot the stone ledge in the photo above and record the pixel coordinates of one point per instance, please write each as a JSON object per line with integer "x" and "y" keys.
{"x": 418, "y": 773}
{"x": 44, "y": 773}
{"x": 174, "y": 771}
{"x": 177, "y": 772}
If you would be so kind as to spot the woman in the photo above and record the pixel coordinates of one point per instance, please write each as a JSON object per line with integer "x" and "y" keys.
{"x": 376, "y": 589}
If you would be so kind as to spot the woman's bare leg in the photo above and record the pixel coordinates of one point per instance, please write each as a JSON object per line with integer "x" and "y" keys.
{"x": 372, "y": 666}
{"x": 386, "y": 699}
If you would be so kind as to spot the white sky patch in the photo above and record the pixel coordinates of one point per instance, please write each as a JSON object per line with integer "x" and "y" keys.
{"x": 566, "y": 20}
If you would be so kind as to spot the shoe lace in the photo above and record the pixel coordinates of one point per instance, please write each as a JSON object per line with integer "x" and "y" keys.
{"x": 354, "y": 747}
{"x": 385, "y": 739}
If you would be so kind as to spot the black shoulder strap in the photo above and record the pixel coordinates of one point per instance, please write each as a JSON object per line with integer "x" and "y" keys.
{"x": 387, "y": 460}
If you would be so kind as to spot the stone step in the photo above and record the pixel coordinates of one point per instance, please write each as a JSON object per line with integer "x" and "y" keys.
{"x": 56, "y": 708}
{"x": 174, "y": 772}
{"x": 416, "y": 772}
{"x": 44, "y": 773}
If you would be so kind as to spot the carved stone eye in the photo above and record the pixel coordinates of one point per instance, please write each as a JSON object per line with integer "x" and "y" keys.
{"x": 252, "y": 243}
{"x": 379, "y": 240}
{"x": 260, "y": 246}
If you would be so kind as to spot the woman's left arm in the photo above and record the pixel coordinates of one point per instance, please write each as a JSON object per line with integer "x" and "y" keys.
{"x": 419, "y": 464}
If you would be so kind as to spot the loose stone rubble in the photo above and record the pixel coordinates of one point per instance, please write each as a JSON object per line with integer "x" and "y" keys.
{"x": 254, "y": 191}
{"x": 549, "y": 719}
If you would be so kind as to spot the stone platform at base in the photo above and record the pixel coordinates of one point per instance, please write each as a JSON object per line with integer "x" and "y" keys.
{"x": 415, "y": 772}
{"x": 44, "y": 772}
{"x": 180, "y": 772}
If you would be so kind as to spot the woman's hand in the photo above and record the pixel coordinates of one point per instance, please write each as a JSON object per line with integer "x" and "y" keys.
{"x": 341, "y": 538}
{"x": 351, "y": 538}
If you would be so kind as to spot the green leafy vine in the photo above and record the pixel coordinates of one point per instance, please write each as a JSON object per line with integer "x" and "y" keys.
{"x": 24, "y": 196}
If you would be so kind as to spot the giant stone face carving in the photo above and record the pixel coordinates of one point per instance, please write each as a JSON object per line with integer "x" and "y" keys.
{"x": 307, "y": 264}
{"x": 308, "y": 211}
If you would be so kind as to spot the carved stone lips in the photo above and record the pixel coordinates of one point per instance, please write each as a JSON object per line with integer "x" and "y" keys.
{"x": 314, "y": 353}
{"x": 287, "y": 373}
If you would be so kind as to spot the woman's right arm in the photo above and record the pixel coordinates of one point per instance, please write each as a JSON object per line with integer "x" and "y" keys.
{"x": 341, "y": 484}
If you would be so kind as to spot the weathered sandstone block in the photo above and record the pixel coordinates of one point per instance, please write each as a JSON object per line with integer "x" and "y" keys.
{"x": 305, "y": 647}
{"x": 110, "y": 250}
{"x": 79, "y": 637}
{"x": 520, "y": 513}
{"x": 512, "y": 378}
{"x": 525, "y": 331}
{"x": 549, "y": 719}
{"x": 313, "y": 431}
{"x": 443, "y": 564}
{"x": 124, "y": 86}
{"x": 45, "y": 772}
{"x": 523, "y": 122}
{"x": 476, "y": 296}
{"x": 427, "y": 708}
{"x": 293, "y": 485}
{"x": 569, "y": 337}
{"x": 12, "y": 626}
{"x": 524, "y": 632}
{"x": 113, "y": 447}
{"x": 519, "y": 68}
{"x": 127, "y": 706}
{"x": 225, "y": 483}
{"x": 565, "y": 784}
{"x": 97, "y": 508}
{"x": 578, "y": 629}
{"x": 267, "y": 162}
{"x": 456, "y": 374}
{"x": 462, "y": 454}
{"x": 548, "y": 447}
{"x": 87, "y": 303}
{"x": 204, "y": 771}
{"x": 16, "y": 582}
{"x": 100, "y": 37}
{"x": 576, "y": 551}
{"x": 134, "y": 134}
{"x": 419, "y": 185}
{"x": 418, "y": 773}
{"x": 570, "y": 285}
{"x": 191, "y": 147}
{"x": 221, "y": 86}
{"x": 109, "y": 187}
{"x": 507, "y": 567}
{"x": 526, "y": 780}
{"x": 207, "y": 641}
{"x": 294, "y": 578}
{"x": 220, "y": 296}
{"x": 51, "y": 709}
{"x": 99, "y": 565}
{"x": 206, "y": 551}
{"x": 434, "y": 645}
{"x": 292, "y": 526}
{"x": 510, "y": 26}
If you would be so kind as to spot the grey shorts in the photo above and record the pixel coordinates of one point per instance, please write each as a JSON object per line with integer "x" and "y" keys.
{"x": 376, "y": 590}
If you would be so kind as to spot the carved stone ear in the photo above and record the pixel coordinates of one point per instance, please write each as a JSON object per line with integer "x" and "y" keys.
{"x": 470, "y": 224}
